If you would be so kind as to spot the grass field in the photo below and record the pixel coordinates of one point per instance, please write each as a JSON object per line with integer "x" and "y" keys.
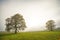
{"x": 30, "y": 36}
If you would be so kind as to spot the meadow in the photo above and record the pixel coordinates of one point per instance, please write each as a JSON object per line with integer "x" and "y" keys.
{"x": 30, "y": 36}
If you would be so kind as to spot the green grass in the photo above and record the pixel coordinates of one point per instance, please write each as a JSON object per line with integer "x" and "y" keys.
{"x": 31, "y": 36}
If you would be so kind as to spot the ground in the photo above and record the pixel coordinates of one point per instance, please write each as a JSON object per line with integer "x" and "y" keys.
{"x": 30, "y": 36}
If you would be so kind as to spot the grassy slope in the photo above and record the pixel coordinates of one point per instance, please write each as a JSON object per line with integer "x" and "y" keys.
{"x": 31, "y": 36}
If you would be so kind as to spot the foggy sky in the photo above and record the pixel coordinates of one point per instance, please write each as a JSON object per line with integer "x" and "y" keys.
{"x": 35, "y": 12}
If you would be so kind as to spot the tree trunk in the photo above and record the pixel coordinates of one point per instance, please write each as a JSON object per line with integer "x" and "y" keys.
{"x": 15, "y": 30}
{"x": 51, "y": 29}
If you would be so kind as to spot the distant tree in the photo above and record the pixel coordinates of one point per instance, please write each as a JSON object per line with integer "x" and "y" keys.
{"x": 57, "y": 29}
{"x": 17, "y": 23}
{"x": 50, "y": 25}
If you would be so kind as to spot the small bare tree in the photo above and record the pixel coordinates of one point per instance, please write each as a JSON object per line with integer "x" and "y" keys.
{"x": 50, "y": 25}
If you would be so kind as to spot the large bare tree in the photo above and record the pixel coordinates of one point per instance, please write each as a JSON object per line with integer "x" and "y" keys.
{"x": 16, "y": 22}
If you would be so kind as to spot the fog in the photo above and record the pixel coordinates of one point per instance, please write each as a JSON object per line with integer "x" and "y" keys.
{"x": 35, "y": 12}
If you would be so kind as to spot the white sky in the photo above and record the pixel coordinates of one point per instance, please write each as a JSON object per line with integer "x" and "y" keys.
{"x": 36, "y": 13}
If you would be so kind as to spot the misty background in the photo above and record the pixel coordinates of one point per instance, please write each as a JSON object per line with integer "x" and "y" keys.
{"x": 35, "y": 12}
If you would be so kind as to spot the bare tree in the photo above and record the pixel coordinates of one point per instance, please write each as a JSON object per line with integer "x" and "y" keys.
{"x": 50, "y": 25}
{"x": 17, "y": 22}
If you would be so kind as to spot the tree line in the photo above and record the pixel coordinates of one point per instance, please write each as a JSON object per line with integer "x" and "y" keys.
{"x": 17, "y": 22}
